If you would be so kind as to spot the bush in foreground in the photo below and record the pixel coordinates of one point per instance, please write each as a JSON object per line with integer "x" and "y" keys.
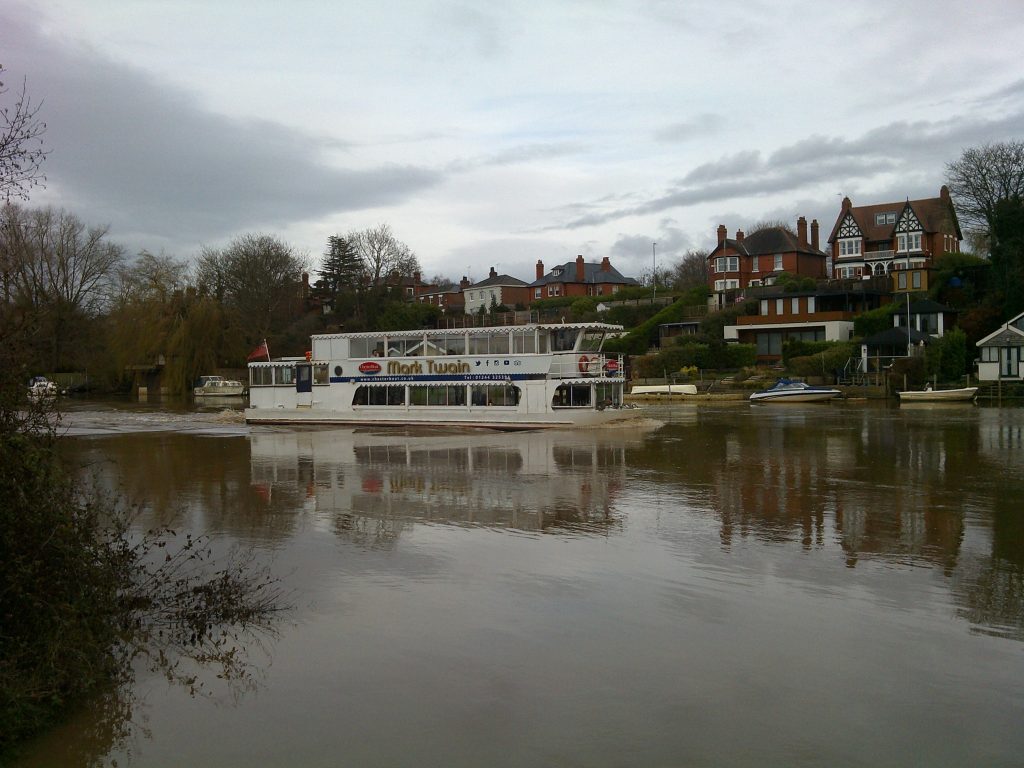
{"x": 81, "y": 596}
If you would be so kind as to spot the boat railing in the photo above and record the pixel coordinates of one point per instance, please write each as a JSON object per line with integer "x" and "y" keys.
{"x": 574, "y": 365}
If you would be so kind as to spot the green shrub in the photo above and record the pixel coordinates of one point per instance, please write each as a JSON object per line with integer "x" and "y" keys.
{"x": 874, "y": 321}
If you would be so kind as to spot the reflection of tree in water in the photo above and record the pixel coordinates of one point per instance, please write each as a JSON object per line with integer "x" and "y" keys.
{"x": 883, "y": 484}
{"x": 184, "y": 480}
{"x": 990, "y": 590}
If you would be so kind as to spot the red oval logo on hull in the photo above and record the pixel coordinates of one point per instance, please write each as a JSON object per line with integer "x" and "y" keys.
{"x": 369, "y": 367}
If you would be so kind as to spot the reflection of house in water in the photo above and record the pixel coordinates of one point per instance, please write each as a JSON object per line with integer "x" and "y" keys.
{"x": 376, "y": 483}
{"x": 877, "y": 488}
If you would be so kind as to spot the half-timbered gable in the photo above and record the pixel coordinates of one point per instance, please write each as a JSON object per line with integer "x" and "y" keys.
{"x": 878, "y": 239}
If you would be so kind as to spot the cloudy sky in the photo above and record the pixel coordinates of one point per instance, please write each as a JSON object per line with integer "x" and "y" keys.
{"x": 499, "y": 133}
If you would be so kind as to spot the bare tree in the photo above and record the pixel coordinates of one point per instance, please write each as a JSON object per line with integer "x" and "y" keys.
{"x": 691, "y": 271}
{"x": 58, "y": 272}
{"x": 21, "y": 145}
{"x": 384, "y": 256}
{"x": 983, "y": 176}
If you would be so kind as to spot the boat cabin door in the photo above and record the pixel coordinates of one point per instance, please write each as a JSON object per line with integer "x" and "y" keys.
{"x": 304, "y": 385}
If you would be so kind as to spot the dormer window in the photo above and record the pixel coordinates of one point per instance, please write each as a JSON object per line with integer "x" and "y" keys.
{"x": 889, "y": 217}
{"x": 556, "y": 272}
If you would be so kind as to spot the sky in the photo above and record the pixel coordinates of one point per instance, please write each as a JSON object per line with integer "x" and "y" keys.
{"x": 499, "y": 134}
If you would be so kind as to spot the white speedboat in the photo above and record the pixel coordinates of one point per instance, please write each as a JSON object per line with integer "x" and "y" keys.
{"x": 929, "y": 395}
{"x": 501, "y": 377}
{"x": 218, "y": 386}
{"x": 789, "y": 391}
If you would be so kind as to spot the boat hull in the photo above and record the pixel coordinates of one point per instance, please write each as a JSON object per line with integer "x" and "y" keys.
{"x": 508, "y": 422}
{"x": 963, "y": 394}
{"x": 795, "y": 397}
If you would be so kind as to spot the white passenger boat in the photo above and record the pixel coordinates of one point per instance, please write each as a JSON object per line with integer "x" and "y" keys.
{"x": 789, "y": 391}
{"x": 504, "y": 377}
{"x": 218, "y": 386}
{"x": 929, "y": 395}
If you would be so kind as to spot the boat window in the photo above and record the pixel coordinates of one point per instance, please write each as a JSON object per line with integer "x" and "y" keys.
{"x": 571, "y": 396}
{"x": 609, "y": 394}
{"x": 400, "y": 347}
{"x": 563, "y": 339}
{"x": 494, "y": 394}
{"x": 479, "y": 345}
{"x": 262, "y": 376}
{"x": 591, "y": 341}
{"x": 379, "y": 396}
{"x": 499, "y": 344}
{"x": 454, "y": 344}
{"x": 445, "y": 395}
{"x": 284, "y": 375}
{"x": 321, "y": 374}
{"x": 434, "y": 345}
{"x": 524, "y": 342}
{"x": 365, "y": 348}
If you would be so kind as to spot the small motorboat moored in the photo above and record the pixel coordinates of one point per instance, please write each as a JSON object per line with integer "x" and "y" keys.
{"x": 218, "y": 386}
{"x": 789, "y": 391}
{"x": 40, "y": 387}
{"x": 929, "y": 395}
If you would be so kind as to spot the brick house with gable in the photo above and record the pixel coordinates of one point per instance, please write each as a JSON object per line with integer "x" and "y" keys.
{"x": 496, "y": 290}
{"x": 885, "y": 237}
{"x": 578, "y": 278}
{"x": 754, "y": 260}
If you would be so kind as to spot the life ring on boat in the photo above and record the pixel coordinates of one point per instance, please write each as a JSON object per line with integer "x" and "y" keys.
{"x": 584, "y": 364}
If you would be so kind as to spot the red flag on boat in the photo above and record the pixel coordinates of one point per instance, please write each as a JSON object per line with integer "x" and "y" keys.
{"x": 260, "y": 351}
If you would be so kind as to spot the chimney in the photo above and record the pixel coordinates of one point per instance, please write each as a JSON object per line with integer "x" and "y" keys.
{"x": 580, "y": 272}
{"x": 606, "y": 266}
{"x": 739, "y": 235}
{"x": 801, "y": 230}
{"x": 944, "y": 193}
{"x": 847, "y": 205}
{"x": 722, "y": 233}
{"x": 814, "y": 235}
{"x": 493, "y": 273}
{"x": 540, "y": 269}
{"x": 464, "y": 283}
{"x": 415, "y": 278}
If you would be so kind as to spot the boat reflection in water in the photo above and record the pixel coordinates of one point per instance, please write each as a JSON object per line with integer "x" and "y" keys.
{"x": 529, "y": 481}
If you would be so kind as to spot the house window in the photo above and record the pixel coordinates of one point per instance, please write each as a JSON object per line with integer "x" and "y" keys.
{"x": 778, "y": 262}
{"x": 849, "y": 247}
{"x": 914, "y": 242}
{"x": 537, "y": 293}
{"x": 754, "y": 283}
{"x": 764, "y": 307}
{"x": 901, "y": 281}
{"x": 719, "y": 285}
{"x": 730, "y": 284}
{"x": 780, "y": 306}
{"x": 794, "y": 305}
{"x": 810, "y": 305}
{"x": 916, "y": 280}
{"x": 889, "y": 217}
{"x": 727, "y": 264}
{"x": 753, "y": 265}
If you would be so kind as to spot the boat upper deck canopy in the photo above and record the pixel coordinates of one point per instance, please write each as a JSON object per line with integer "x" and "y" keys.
{"x": 496, "y": 330}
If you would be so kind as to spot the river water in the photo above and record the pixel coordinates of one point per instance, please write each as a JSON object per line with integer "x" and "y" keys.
{"x": 837, "y": 584}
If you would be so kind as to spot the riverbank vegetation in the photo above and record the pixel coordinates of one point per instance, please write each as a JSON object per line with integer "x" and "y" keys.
{"x": 83, "y": 596}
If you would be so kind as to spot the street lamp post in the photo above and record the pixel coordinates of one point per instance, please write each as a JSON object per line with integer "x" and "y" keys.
{"x": 654, "y": 271}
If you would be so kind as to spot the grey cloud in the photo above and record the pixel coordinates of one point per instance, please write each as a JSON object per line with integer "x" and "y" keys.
{"x": 148, "y": 158}
{"x": 917, "y": 150}
{"x": 700, "y": 125}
